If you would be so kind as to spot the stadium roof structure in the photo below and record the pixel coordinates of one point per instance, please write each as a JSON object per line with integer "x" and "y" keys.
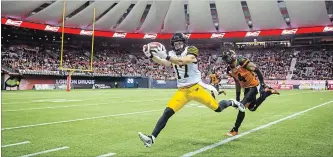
{"x": 152, "y": 17}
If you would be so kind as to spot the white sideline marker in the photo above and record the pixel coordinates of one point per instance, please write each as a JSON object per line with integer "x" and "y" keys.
{"x": 15, "y": 144}
{"x": 203, "y": 149}
{"x": 106, "y": 155}
{"x": 45, "y": 151}
{"x": 66, "y": 106}
{"x": 81, "y": 119}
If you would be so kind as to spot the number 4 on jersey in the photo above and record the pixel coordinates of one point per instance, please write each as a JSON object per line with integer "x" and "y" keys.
{"x": 241, "y": 78}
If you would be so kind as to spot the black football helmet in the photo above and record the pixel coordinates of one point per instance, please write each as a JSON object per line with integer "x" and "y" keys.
{"x": 176, "y": 38}
{"x": 229, "y": 56}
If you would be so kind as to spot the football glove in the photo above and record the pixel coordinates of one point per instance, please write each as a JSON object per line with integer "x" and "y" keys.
{"x": 146, "y": 51}
{"x": 160, "y": 51}
{"x": 262, "y": 89}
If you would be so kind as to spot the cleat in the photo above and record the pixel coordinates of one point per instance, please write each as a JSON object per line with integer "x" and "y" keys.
{"x": 238, "y": 105}
{"x": 222, "y": 92}
{"x": 232, "y": 133}
{"x": 271, "y": 90}
{"x": 254, "y": 108}
{"x": 147, "y": 140}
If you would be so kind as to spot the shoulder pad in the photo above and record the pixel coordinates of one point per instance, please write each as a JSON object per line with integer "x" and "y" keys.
{"x": 242, "y": 61}
{"x": 193, "y": 51}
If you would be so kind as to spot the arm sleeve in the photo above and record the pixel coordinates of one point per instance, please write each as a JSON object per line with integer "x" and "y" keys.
{"x": 238, "y": 90}
{"x": 260, "y": 77}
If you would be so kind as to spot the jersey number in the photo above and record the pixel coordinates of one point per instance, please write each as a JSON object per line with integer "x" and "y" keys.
{"x": 241, "y": 78}
{"x": 181, "y": 66}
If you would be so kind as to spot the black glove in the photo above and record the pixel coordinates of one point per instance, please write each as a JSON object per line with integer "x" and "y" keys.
{"x": 262, "y": 89}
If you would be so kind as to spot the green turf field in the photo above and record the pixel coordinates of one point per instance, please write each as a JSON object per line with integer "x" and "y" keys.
{"x": 97, "y": 122}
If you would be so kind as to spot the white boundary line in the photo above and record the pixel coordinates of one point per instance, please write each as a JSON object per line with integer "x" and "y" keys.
{"x": 45, "y": 151}
{"x": 251, "y": 131}
{"x": 51, "y": 100}
{"x": 106, "y": 95}
{"x": 80, "y": 119}
{"x": 106, "y": 155}
{"x": 50, "y": 107}
{"x": 53, "y": 107}
{"x": 63, "y": 100}
{"x": 15, "y": 144}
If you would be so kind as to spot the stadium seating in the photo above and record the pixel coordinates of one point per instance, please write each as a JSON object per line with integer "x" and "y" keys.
{"x": 314, "y": 64}
{"x": 275, "y": 62}
{"x": 25, "y": 51}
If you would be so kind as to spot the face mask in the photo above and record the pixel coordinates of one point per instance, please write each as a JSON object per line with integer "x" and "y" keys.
{"x": 178, "y": 45}
{"x": 229, "y": 59}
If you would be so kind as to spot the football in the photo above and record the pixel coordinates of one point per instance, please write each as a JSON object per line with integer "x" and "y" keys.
{"x": 154, "y": 45}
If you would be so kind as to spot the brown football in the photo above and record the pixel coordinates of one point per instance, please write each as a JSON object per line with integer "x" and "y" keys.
{"x": 154, "y": 44}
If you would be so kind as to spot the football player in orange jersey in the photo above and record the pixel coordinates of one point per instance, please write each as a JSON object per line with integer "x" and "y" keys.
{"x": 244, "y": 73}
{"x": 214, "y": 81}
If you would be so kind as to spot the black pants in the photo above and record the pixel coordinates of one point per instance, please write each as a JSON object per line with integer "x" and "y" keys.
{"x": 250, "y": 95}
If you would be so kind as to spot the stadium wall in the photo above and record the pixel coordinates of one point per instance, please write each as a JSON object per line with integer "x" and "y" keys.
{"x": 46, "y": 82}
{"x": 37, "y": 82}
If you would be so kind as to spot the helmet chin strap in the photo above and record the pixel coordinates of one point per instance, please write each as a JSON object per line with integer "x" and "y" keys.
{"x": 179, "y": 52}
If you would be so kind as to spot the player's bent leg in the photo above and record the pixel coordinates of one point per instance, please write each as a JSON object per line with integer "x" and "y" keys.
{"x": 197, "y": 93}
{"x": 271, "y": 90}
{"x": 249, "y": 96}
{"x": 239, "y": 120}
{"x": 268, "y": 91}
{"x": 210, "y": 88}
{"x": 226, "y": 103}
{"x": 200, "y": 95}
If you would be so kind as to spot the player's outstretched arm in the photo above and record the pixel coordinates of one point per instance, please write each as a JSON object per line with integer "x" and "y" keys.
{"x": 154, "y": 56}
{"x": 182, "y": 61}
{"x": 158, "y": 60}
{"x": 238, "y": 90}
